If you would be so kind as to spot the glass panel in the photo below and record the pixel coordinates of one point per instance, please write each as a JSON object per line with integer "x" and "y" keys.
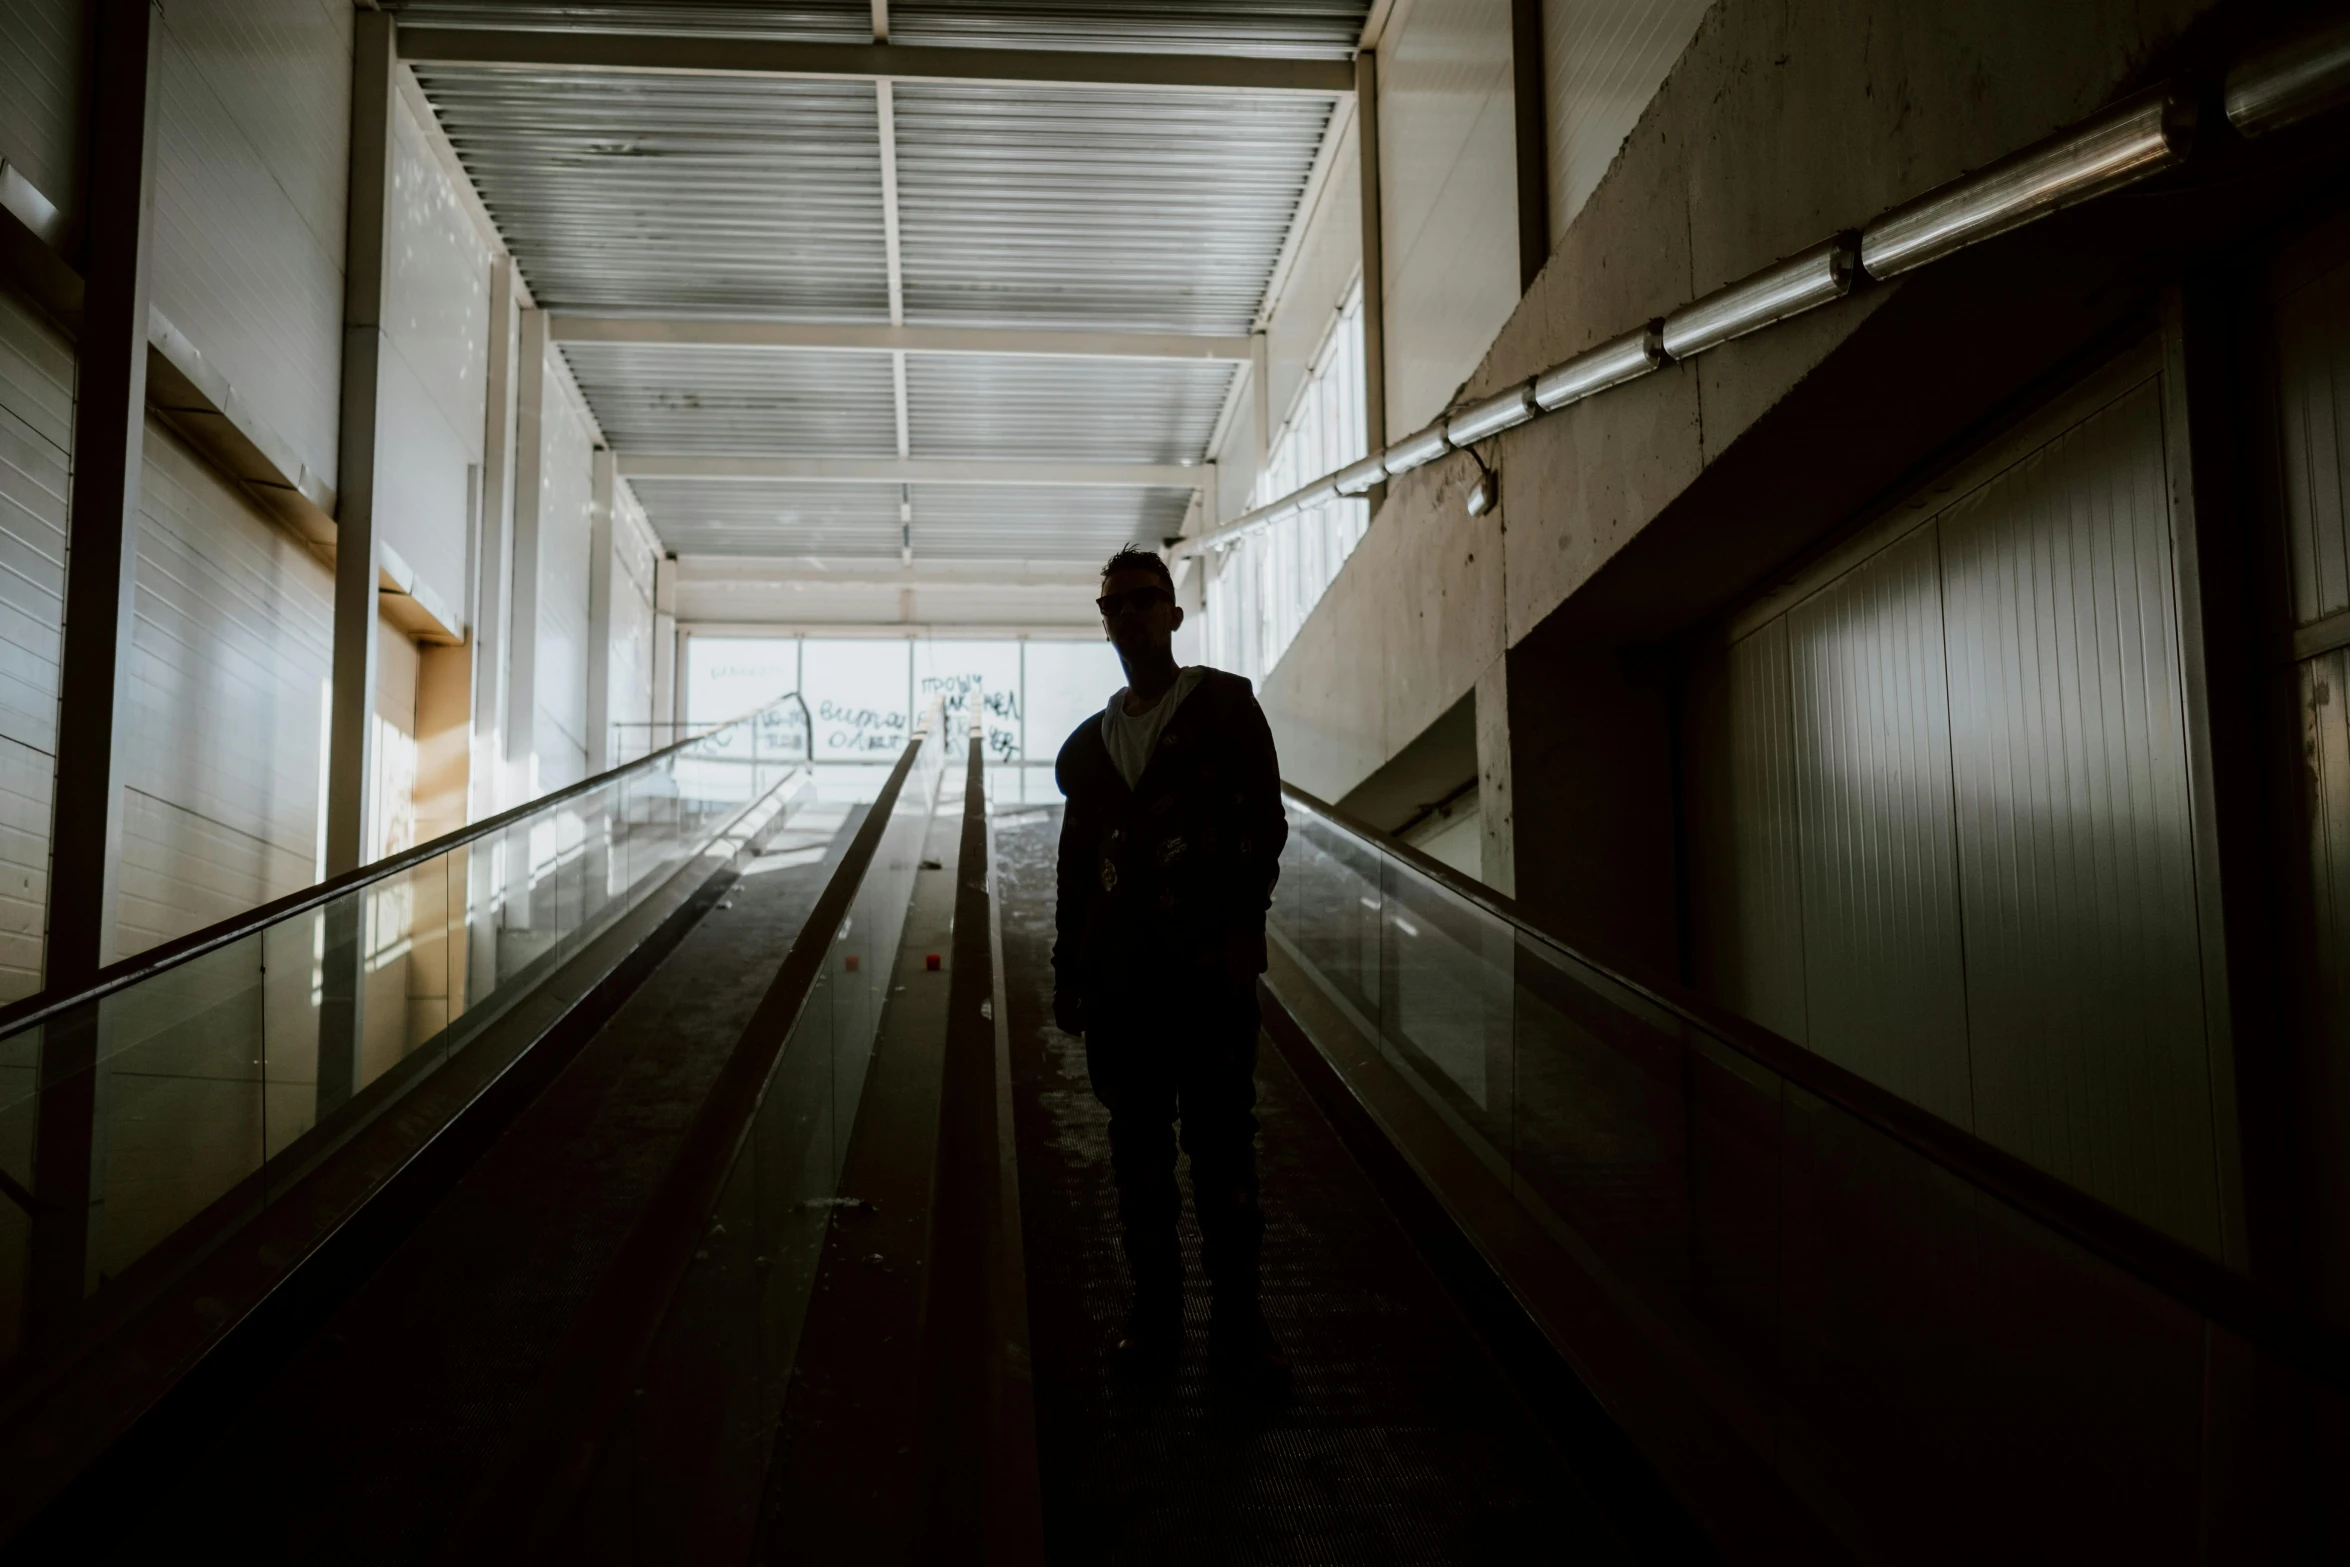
{"x": 690, "y": 1464}
{"x": 179, "y": 1103}
{"x": 1901, "y": 1342}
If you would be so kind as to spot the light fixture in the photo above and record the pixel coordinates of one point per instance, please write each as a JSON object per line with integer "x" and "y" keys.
{"x": 1502, "y": 411}
{"x": 1821, "y": 274}
{"x": 2302, "y": 76}
{"x": 1485, "y": 493}
{"x": 1359, "y": 478}
{"x": 1613, "y": 363}
{"x": 2142, "y": 137}
{"x": 1417, "y": 451}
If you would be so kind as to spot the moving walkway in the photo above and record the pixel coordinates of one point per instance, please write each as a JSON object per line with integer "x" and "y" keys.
{"x": 682, "y": 1167}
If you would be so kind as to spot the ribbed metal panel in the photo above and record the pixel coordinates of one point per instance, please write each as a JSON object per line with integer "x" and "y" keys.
{"x": 1148, "y": 210}
{"x": 1094, "y": 410}
{"x": 683, "y": 194}
{"x": 1318, "y": 29}
{"x": 2075, "y": 847}
{"x": 1000, "y": 521}
{"x": 230, "y": 648}
{"x": 813, "y": 21}
{"x": 566, "y": 499}
{"x": 41, "y": 68}
{"x": 36, "y": 435}
{"x": 1605, "y": 60}
{"x": 2313, "y": 351}
{"x": 658, "y": 397}
{"x": 250, "y": 164}
{"x": 1748, "y": 860}
{"x": 736, "y": 517}
{"x": 1882, "y": 961}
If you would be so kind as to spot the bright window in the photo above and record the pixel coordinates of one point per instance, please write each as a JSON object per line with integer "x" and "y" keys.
{"x": 1261, "y": 589}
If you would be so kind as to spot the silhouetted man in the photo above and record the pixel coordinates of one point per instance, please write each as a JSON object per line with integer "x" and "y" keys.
{"x": 1169, "y": 850}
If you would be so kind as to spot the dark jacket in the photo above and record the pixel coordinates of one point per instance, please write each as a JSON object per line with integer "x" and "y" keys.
{"x": 1166, "y": 875}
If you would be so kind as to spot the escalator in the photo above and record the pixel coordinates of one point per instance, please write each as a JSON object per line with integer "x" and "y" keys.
{"x": 684, "y": 1168}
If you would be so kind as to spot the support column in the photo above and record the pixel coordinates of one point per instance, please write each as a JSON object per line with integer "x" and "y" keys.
{"x": 342, "y": 1023}
{"x": 85, "y": 856}
{"x": 493, "y": 567}
{"x": 522, "y": 646}
{"x": 665, "y": 714}
{"x": 1533, "y": 120}
{"x": 1260, "y": 397}
{"x": 599, "y": 626}
{"x": 1374, "y": 265}
{"x": 348, "y": 773}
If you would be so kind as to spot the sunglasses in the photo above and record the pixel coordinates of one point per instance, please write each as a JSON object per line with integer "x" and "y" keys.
{"x": 1110, "y": 604}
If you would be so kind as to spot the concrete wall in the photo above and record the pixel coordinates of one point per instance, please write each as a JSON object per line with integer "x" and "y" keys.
{"x": 1777, "y": 127}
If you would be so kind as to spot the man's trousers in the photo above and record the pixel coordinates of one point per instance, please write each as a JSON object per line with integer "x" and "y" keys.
{"x": 1190, "y": 1057}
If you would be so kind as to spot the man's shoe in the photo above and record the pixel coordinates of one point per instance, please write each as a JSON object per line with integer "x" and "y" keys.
{"x": 1151, "y": 1344}
{"x": 1246, "y": 1354}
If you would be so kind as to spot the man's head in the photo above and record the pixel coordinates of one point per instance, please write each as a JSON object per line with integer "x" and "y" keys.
{"x": 1139, "y": 612}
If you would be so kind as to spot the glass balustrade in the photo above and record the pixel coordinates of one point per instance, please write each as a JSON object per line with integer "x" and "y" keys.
{"x": 1899, "y": 1341}
{"x": 145, "y": 1117}
{"x": 688, "y": 1461}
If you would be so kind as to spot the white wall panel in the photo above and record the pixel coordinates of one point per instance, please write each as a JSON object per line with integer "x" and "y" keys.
{"x": 1602, "y": 62}
{"x": 1883, "y": 978}
{"x": 36, "y": 432}
{"x": 230, "y": 649}
{"x": 1985, "y": 725}
{"x": 41, "y": 69}
{"x": 2075, "y": 844}
{"x": 631, "y": 652}
{"x": 1449, "y": 205}
{"x": 436, "y": 323}
{"x": 1329, "y": 256}
{"x": 566, "y": 492}
{"x": 249, "y": 237}
{"x": 1749, "y": 951}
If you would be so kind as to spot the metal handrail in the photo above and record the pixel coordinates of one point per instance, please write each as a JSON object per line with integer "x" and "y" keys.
{"x": 44, "y": 1004}
{"x": 2155, "y": 1259}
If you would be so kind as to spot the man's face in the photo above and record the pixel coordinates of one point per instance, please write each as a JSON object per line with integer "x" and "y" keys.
{"x": 1142, "y": 615}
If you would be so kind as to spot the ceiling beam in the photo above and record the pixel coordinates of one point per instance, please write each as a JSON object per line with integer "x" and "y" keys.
{"x": 700, "y": 332}
{"x": 916, "y": 470}
{"x": 707, "y": 55}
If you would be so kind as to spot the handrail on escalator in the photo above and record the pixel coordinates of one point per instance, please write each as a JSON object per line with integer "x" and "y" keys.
{"x": 2243, "y": 1305}
{"x": 128, "y": 971}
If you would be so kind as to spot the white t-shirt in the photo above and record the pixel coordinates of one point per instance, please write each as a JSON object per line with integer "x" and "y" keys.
{"x": 1132, "y": 737}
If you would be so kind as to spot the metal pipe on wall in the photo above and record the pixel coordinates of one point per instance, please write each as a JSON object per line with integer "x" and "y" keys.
{"x": 2147, "y": 134}
{"x": 1817, "y": 277}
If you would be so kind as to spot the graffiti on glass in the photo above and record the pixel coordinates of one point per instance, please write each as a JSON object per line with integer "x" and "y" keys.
{"x": 849, "y": 728}
{"x": 1002, "y": 738}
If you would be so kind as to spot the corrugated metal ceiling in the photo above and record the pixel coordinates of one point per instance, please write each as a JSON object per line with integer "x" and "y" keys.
{"x": 685, "y": 194}
{"x": 735, "y": 517}
{"x": 1320, "y": 29}
{"x": 783, "y": 403}
{"x": 1159, "y": 211}
{"x": 1078, "y": 410}
{"x": 951, "y": 521}
{"x": 1047, "y": 208}
{"x": 811, "y": 21}
{"x": 1004, "y": 521}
